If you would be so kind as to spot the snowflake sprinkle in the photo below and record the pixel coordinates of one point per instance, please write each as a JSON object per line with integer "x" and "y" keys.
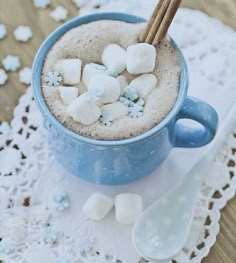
{"x": 3, "y": 31}
{"x": 126, "y": 101}
{"x": 49, "y": 236}
{"x": 53, "y": 78}
{"x": 136, "y": 111}
{"x": 62, "y": 201}
{"x": 106, "y": 118}
{"x": 23, "y": 33}
{"x": 59, "y": 13}
{"x": 41, "y": 3}
{"x": 25, "y": 76}
{"x": 85, "y": 245}
{"x": 11, "y": 63}
{"x": 141, "y": 102}
{"x": 3, "y": 77}
{"x": 131, "y": 93}
{"x": 7, "y": 246}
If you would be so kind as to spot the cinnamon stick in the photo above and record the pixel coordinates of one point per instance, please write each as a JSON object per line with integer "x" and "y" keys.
{"x": 165, "y": 24}
{"x": 157, "y": 22}
{"x": 151, "y": 21}
{"x": 160, "y": 21}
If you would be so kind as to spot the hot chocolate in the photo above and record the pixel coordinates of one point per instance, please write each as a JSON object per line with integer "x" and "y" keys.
{"x": 87, "y": 43}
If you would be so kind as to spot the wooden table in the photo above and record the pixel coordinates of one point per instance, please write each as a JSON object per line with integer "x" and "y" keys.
{"x": 22, "y": 12}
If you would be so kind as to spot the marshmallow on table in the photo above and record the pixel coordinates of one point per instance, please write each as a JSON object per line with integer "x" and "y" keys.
{"x": 116, "y": 110}
{"x": 109, "y": 88}
{"x": 97, "y": 206}
{"x": 128, "y": 207}
{"x": 68, "y": 94}
{"x": 123, "y": 84}
{"x": 84, "y": 110}
{"x": 114, "y": 58}
{"x": 91, "y": 70}
{"x": 141, "y": 58}
{"x": 144, "y": 84}
{"x": 70, "y": 69}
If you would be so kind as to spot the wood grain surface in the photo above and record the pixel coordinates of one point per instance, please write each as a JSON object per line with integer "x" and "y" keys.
{"x": 22, "y": 12}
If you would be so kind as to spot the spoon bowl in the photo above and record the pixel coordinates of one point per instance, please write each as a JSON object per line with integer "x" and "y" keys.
{"x": 163, "y": 228}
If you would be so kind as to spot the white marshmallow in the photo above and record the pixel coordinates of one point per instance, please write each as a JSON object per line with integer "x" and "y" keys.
{"x": 123, "y": 84}
{"x": 114, "y": 58}
{"x": 70, "y": 69}
{"x": 91, "y": 70}
{"x": 144, "y": 84}
{"x": 141, "y": 58}
{"x": 97, "y": 206}
{"x": 68, "y": 94}
{"x": 116, "y": 110}
{"x": 108, "y": 86}
{"x": 128, "y": 208}
{"x": 84, "y": 110}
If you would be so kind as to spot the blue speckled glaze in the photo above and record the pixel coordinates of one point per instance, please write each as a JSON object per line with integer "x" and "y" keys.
{"x": 123, "y": 161}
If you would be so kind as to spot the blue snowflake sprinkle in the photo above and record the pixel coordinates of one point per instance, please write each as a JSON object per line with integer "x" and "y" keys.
{"x": 141, "y": 102}
{"x": 7, "y": 246}
{"x": 131, "y": 93}
{"x": 49, "y": 236}
{"x": 136, "y": 111}
{"x": 126, "y": 101}
{"x": 85, "y": 245}
{"x": 53, "y": 79}
{"x": 62, "y": 201}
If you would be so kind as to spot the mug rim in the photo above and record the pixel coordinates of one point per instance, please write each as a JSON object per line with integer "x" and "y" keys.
{"x": 61, "y": 30}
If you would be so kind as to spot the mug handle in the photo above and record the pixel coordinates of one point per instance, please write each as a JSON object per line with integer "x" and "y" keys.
{"x": 201, "y": 112}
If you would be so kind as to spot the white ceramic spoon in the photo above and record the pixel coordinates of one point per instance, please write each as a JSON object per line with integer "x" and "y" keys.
{"x": 163, "y": 228}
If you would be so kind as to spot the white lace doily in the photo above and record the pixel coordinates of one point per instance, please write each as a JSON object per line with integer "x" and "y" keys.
{"x": 32, "y": 230}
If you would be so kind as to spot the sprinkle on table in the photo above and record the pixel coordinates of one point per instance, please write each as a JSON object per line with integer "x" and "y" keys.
{"x": 11, "y": 63}
{"x": 3, "y": 31}
{"x": 25, "y": 75}
{"x": 3, "y": 77}
{"x": 23, "y": 33}
{"x": 60, "y": 13}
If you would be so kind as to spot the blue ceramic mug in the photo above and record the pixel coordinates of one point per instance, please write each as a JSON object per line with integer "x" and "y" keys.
{"x": 123, "y": 161}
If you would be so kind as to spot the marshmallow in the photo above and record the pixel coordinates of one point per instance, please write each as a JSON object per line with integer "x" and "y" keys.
{"x": 128, "y": 208}
{"x": 108, "y": 86}
{"x": 114, "y": 58}
{"x": 144, "y": 84}
{"x": 70, "y": 69}
{"x": 116, "y": 110}
{"x": 84, "y": 110}
{"x": 91, "y": 70}
{"x": 123, "y": 84}
{"x": 141, "y": 58}
{"x": 97, "y": 206}
{"x": 68, "y": 94}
